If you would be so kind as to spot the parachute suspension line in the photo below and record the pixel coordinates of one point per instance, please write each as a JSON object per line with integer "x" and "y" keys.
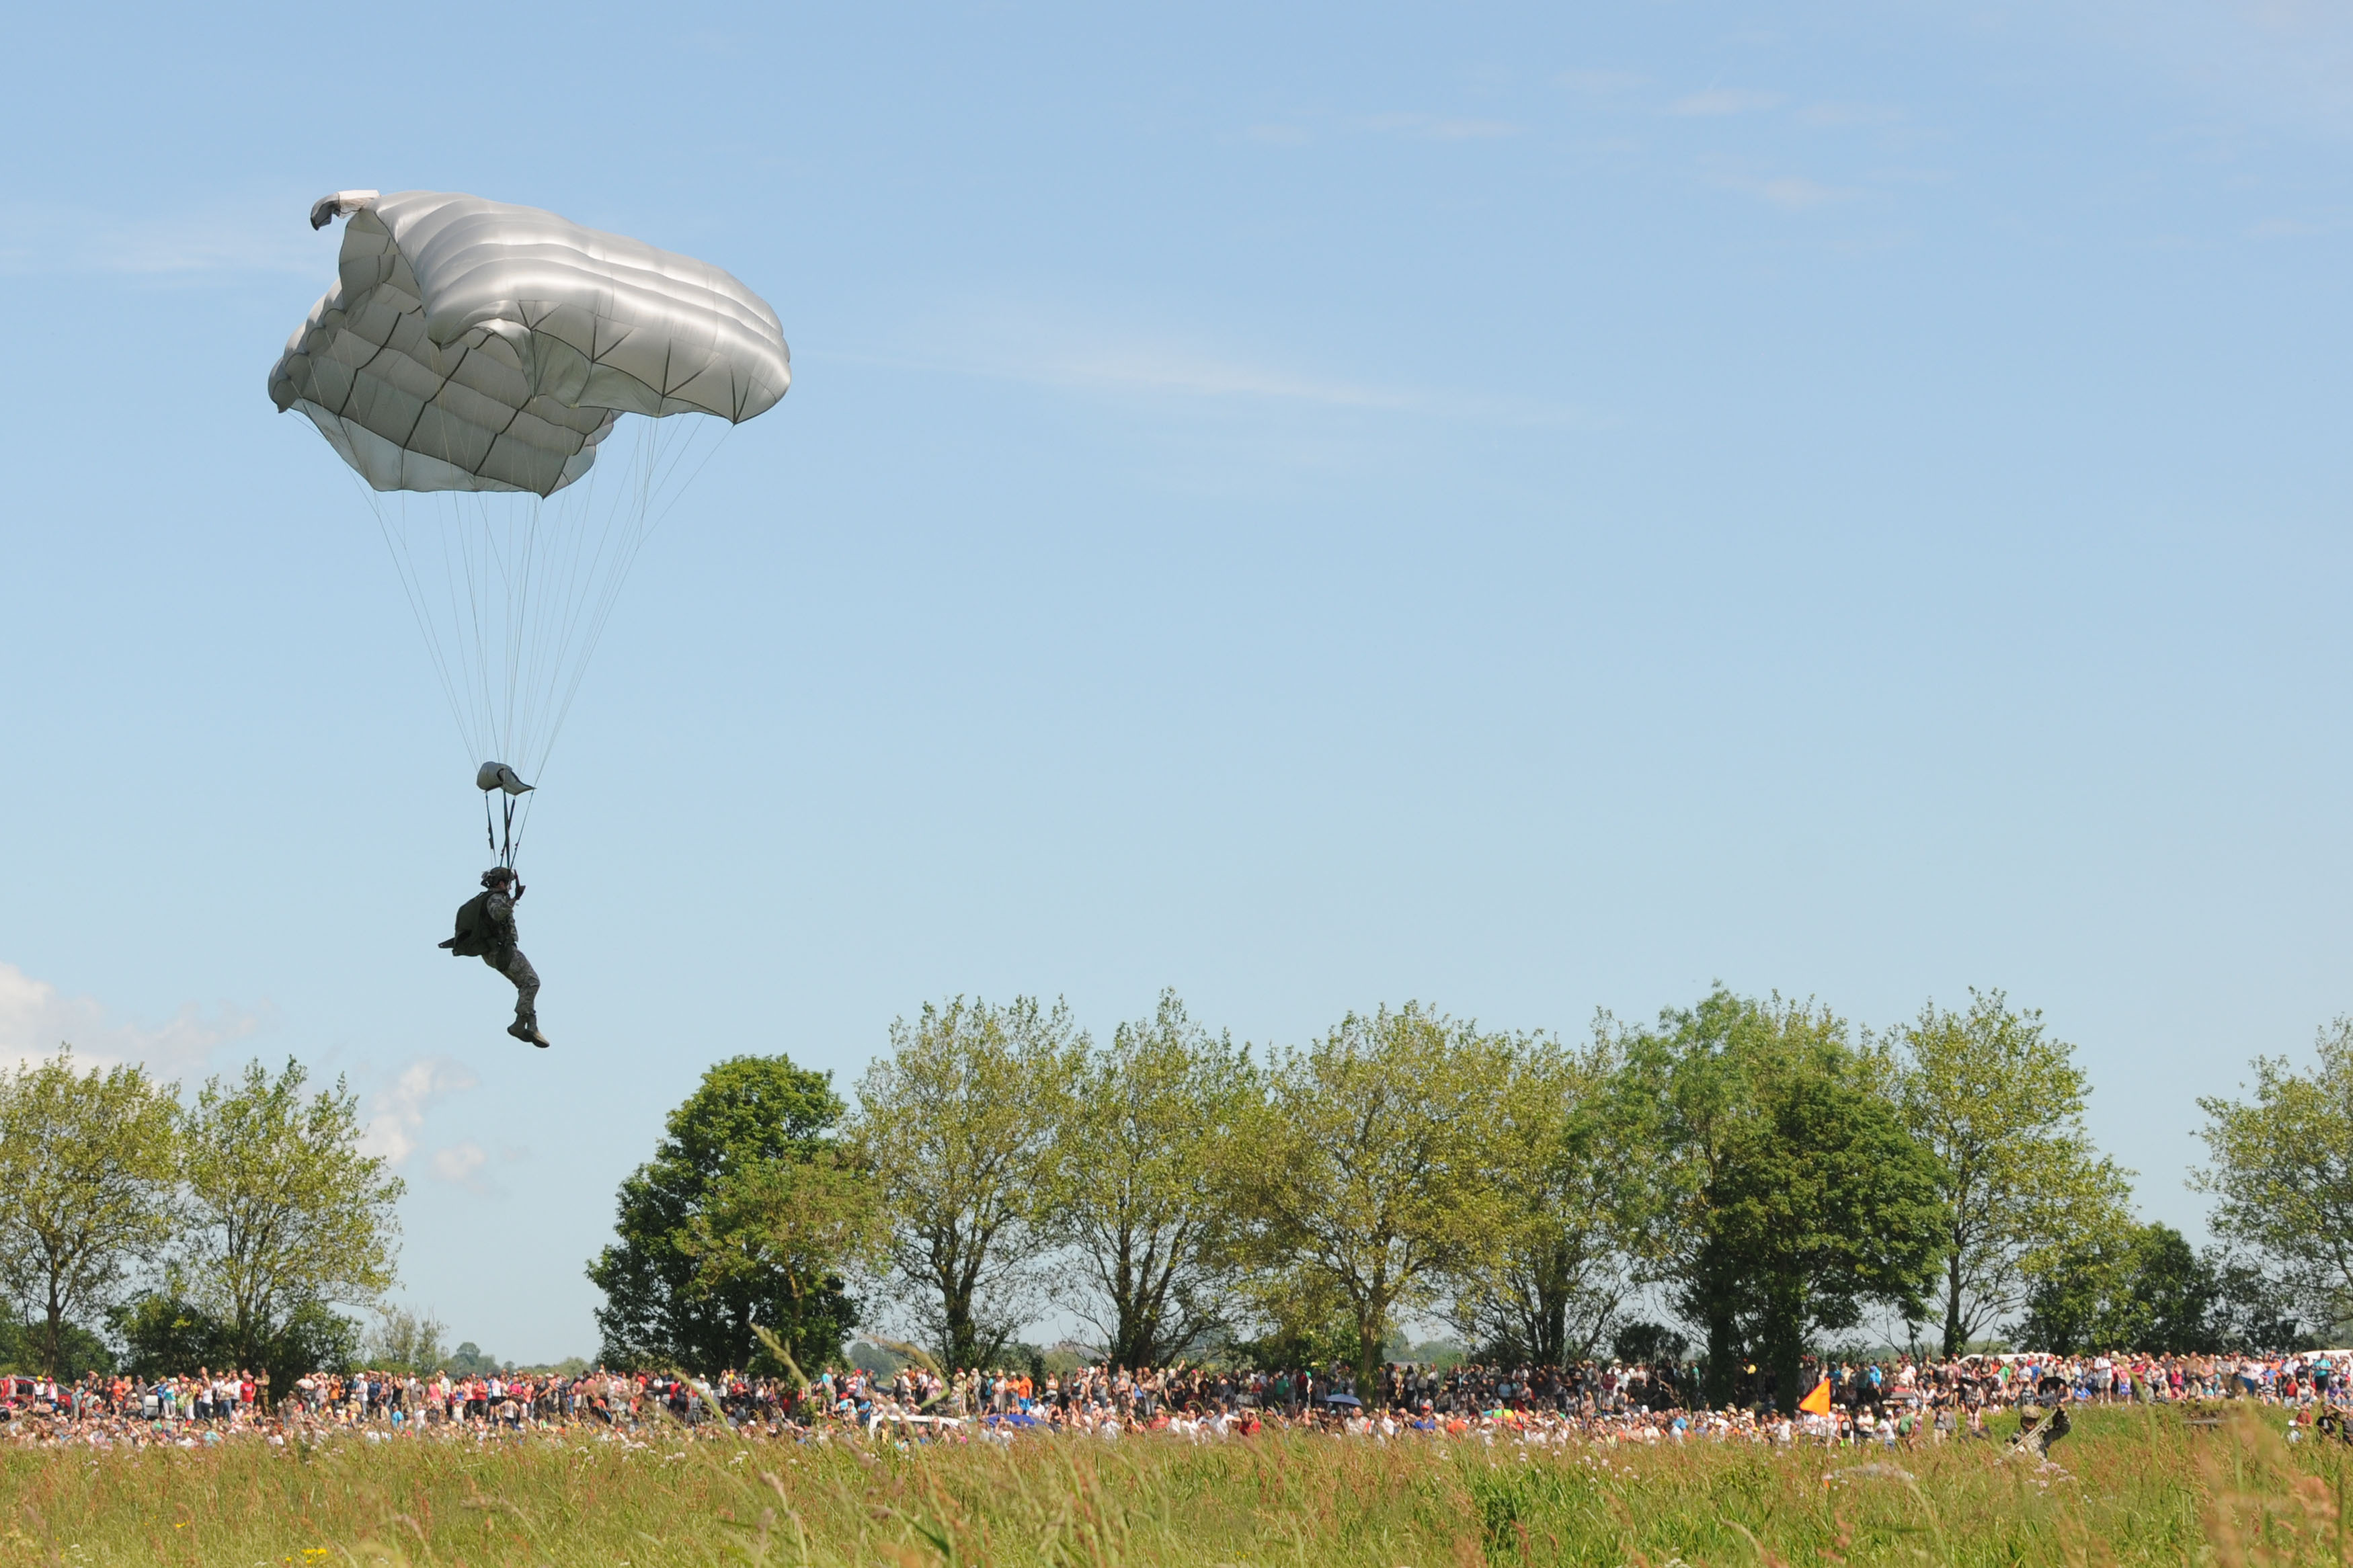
{"x": 395, "y": 546}
{"x": 530, "y": 585}
{"x": 657, "y": 496}
{"x": 528, "y": 576}
{"x": 512, "y": 592}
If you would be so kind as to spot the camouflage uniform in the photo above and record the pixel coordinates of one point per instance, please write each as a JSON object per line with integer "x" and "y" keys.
{"x": 507, "y": 958}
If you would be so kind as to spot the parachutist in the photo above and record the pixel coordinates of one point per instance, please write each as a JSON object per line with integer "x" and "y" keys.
{"x": 486, "y": 930}
{"x": 2039, "y": 1428}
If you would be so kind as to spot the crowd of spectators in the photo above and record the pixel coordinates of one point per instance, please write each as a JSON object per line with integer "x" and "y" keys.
{"x": 1895, "y": 1401}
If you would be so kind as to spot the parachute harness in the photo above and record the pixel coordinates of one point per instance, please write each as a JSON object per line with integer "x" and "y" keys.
{"x": 502, "y": 834}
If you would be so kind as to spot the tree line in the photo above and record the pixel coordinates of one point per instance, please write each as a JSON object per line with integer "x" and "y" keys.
{"x": 1774, "y": 1177}
{"x": 1762, "y": 1174}
{"x": 157, "y": 1233}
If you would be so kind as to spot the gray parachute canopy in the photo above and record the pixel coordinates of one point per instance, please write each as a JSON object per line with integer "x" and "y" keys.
{"x": 472, "y": 345}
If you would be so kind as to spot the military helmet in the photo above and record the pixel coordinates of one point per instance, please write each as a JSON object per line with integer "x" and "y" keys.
{"x": 498, "y": 874}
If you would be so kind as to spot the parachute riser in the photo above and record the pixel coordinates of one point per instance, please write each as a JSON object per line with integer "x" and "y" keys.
{"x": 497, "y": 778}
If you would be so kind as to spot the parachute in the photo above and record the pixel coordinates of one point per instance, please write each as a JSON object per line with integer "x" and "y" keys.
{"x": 471, "y": 363}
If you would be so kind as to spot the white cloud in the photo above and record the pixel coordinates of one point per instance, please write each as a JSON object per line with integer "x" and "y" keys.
{"x": 36, "y": 1017}
{"x": 396, "y": 1114}
{"x": 1718, "y": 100}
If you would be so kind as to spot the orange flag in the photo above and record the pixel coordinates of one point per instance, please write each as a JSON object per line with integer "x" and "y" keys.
{"x": 1818, "y": 1403}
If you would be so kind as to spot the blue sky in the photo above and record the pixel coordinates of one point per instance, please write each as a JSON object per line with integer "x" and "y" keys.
{"x": 1534, "y": 512}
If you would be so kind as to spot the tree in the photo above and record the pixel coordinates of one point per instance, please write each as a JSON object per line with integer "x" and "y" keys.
{"x": 2144, "y": 1287}
{"x": 1138, "y": 1140}
{"x": 2283, "y": 1172}
{"x": 85, "y": 1168}
{"x": 470, "y": 1360}
{"x": 747, "y": 1215}
{"x": 2001, "y": 1104}
{"x": 408, "y": 1340}
{"x": 1581, "y": 1206}
{"x": 1371, "y": 1168}
{"x": 1800, "y": 1197}
{"x": 285, "y": 1215}
{"x": 956, "y": 1124}
{"x": 164, "y": 1336}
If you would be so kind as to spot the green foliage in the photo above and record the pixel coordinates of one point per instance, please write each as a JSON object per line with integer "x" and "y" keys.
{"x": 1799, "y": 1197}
{"x": 2139, "y": 1288}
{"x": 470, "y": 1360}
{"x": 747, "y": 1214}
{"x": 85, "y": 1191}
{"x": 405, "y": 1340}
{"x": 164, "y": 1336}
{"x": 285, "y": 1216}
{"x": 957, "y": 1126}
{"x": 2144, "y": 1287}
{"x": 1310, "y": 1331}
{"x": 1650, "y": 1343}
{"x": 2001, "y": 1104}
{"x": 2283, "y": 1172}
{"x": 1371, "y": 1171}
{"x": 24, "y": 1348}
{"x": 1138, "y": 1198}
{"x": 1582, "y": 1204}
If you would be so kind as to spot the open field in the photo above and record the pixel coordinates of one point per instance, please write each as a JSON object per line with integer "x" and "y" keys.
{"x": 2139, "y": 1487}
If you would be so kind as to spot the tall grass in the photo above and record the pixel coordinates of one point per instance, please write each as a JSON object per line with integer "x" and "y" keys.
{"x": 2135, "y": 1487}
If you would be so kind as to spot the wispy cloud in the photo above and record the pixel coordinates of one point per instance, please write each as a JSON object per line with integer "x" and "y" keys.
{"x": 1795, "y": 193}
{"x": 1840, "y": 116}
{"x": 1790, "y": 193}
{"x": 2296, "y": 227}
{"x": 461, "y": 1164}
{"x": 1043, "y": 349}
{"x": 1600, "y": 83}
{"x": 468, "y": 1165}
{"x": 1441, "y": 128}
{"x": 36, "y": 1017}
{"x": 396, "y": 1113}
{"x": 211, "y": 243}
{"x": 2274, "y": 61}
{"x": 1144, "y": 366}
{"x": 1416, "y": 126}
{"x": 1719, "y": 100}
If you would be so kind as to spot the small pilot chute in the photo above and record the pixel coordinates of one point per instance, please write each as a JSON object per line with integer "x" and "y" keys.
{"x": 497, "y": 775}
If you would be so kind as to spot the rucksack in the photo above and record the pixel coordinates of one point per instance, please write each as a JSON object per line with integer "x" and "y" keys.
{"x": 475, "y": 935}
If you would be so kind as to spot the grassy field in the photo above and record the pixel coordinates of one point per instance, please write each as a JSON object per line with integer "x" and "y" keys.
{"x": 2139, "y": 1487}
